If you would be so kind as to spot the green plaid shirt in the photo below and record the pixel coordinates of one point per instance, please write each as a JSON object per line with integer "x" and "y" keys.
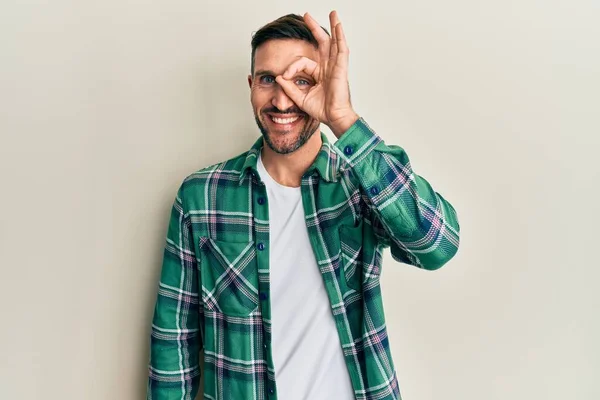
{"x": 360, "y": 196}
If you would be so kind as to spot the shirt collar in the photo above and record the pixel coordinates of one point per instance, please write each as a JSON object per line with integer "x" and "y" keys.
{"x": 326, "y": 164}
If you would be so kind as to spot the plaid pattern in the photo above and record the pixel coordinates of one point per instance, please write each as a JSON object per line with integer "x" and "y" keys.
{"x": 360, "y": 196}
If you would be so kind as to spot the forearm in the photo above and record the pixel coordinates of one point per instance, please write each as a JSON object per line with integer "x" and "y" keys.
{"x": 421, "y": 226}
{"x": 175, "y": 340}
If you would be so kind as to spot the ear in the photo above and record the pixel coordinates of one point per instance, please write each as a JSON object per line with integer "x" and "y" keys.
{"x": 250, "y": 81}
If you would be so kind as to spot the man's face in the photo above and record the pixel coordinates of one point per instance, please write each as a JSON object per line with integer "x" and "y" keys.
{"x": 283, "y": 125}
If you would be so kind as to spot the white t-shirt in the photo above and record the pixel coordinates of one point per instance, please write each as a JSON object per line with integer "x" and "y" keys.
{"x": 307, "y": 354}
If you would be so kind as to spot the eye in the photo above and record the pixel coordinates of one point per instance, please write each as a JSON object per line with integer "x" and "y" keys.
{"x": 302, "y": 82}
{"x": 267, "y": 79}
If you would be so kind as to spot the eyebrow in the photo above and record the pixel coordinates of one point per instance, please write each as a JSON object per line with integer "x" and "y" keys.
{"x": 264, "y": 72}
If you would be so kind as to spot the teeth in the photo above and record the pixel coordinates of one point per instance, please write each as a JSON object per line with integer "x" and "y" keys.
{"x": 284, "y": 120}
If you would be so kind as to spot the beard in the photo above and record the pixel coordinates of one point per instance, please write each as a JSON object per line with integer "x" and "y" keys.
{"x": 307, "y": 129}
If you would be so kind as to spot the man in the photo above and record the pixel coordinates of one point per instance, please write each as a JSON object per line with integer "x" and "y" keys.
{"x": 272, "y": 260}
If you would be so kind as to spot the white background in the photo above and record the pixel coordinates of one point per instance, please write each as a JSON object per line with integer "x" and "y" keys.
{"x": 105, "y": 106}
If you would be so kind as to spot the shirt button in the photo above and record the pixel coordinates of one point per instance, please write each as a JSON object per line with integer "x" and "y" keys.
{"x": 263, "y": 296}
{"x": 261, "y": 246}
{"x": 348, "y": 150}
{"x": 271, "y": 391}
{"x": 261, "y": 200}
{"x": 374, "y": 190}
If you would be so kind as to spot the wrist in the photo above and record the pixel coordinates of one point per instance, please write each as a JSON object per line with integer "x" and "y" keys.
{"x": 341, "y": 125}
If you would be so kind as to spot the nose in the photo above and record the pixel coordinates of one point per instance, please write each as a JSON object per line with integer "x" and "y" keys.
{"x": 280, "y": 99}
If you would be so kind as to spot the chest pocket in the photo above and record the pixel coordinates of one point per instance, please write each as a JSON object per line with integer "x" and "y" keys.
{"x": 360, "y": 256}
{"x": 229, "y": 276}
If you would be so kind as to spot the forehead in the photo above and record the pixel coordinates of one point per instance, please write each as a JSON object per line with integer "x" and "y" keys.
{"x": 277, "y": 54}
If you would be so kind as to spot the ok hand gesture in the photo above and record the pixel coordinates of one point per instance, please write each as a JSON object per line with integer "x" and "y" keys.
{"x": 328, "y": 100}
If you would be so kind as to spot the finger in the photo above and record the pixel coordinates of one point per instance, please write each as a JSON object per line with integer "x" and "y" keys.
{"x": 342, "y": 46}
{"x": 333, "y": 21}
{"x": 291, "y": 90}
{"x": 304, "y": 64}
{"x": 316, "y": 29}
{"x": 322, "y": 38}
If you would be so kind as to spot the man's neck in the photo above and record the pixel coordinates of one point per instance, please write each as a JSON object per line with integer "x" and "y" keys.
{"x": 287, "y": 169}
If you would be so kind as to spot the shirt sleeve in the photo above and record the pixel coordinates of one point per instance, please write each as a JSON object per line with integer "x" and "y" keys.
{"x": 176, "y": 340}
{"x": 419, "y": 225}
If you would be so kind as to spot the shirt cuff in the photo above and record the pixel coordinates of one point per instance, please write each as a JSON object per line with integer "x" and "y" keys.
{"x": 356, "y": 143}
{"x": 356, "y": 147}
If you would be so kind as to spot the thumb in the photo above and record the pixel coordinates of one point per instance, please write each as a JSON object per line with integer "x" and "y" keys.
{"x": 291, "y": 90}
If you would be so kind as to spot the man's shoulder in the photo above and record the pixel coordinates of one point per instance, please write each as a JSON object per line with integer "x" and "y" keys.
{"x": 227, "y": 171}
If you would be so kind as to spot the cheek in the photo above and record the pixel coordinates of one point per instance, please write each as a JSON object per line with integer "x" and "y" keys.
{"x": 258, "y": 100}
{"x": 259, "y": 97}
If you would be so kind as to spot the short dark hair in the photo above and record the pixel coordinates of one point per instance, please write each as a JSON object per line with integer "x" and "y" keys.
{"x": 291, "y": 26}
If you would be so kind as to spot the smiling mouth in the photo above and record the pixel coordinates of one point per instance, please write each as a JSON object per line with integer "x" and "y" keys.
{"x": 284, "y": 121}
{"x": 287, "y": 120}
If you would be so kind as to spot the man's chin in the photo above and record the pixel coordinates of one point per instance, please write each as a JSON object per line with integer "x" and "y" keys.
{"x": 283, "y": 143}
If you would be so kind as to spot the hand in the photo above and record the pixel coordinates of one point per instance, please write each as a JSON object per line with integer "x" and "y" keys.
{"x": 328, "y": 100}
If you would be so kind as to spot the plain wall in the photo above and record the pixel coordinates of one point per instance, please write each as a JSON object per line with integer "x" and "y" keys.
{"x": 106, "y": 106}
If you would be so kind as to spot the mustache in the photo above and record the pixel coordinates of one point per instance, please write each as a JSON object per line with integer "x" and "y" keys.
{"x": 291, "y": 110}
